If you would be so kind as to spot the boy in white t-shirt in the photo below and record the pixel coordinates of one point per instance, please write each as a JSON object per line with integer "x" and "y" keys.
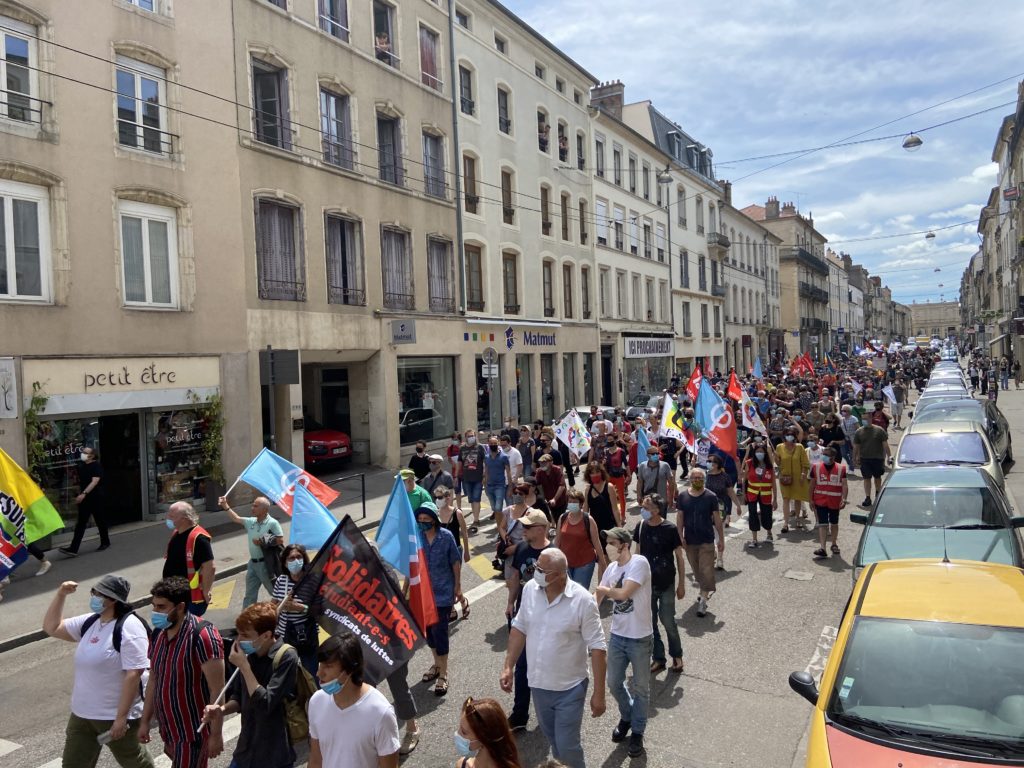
{"x": 351, "y": 724}
{"x": 627, "y": 583}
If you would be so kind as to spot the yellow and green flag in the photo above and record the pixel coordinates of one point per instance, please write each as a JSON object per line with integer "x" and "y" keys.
{"x": 25, "y": 513}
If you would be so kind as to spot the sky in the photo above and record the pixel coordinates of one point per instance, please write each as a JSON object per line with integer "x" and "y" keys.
{"x": 755, "y": 78}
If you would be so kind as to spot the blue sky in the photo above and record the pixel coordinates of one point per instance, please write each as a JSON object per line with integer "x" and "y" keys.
{"x": 754, "y": 78}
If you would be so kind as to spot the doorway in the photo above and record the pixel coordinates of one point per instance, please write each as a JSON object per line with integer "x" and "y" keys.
{"x": 335, "y": 412}
{"x": 120, "y": 452}
{"x": 607, "y": 394}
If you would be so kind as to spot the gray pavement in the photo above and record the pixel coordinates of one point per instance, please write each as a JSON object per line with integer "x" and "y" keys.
{"x": 732, "y": 706}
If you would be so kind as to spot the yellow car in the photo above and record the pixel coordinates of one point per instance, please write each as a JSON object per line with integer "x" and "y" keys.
{"x": 927, "y": 670}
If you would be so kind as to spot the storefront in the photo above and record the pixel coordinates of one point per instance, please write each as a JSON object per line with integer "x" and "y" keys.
{"x": 647, "y": 363}
{"x": 426, "y": 398}
{"x": 143, "y": 417}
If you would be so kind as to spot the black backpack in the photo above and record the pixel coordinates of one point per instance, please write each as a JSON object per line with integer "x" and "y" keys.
{"x": 118, "y": 627}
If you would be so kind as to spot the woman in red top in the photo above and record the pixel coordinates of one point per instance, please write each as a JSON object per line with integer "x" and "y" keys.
{"x": 578, "y": 538}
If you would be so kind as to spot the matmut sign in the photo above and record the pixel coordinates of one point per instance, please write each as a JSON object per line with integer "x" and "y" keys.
{"x": 646, "y": 347}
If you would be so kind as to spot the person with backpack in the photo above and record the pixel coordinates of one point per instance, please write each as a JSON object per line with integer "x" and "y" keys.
{"x": 110, "y": 669}
{"x": 268, "y": 671}
{"x": 577, "y": 537}
{"x": 616, "y": 461}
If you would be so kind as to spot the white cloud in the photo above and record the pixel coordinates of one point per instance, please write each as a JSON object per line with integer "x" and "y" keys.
{"x": 965, "y": 211}
{"x": 983, "y": 174}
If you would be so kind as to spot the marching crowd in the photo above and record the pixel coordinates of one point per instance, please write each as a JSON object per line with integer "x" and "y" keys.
{"x": 810, "y": 434}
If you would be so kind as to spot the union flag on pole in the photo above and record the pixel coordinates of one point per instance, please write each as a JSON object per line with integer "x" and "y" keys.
{"x": 277, "y": 478}
{"x": 735, "y": 391}
{"x": 693, "y": 385}
{"x": 715, "y": 418}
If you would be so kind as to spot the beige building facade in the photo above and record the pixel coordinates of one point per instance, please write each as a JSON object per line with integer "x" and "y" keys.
{"x": 935, "y": 319}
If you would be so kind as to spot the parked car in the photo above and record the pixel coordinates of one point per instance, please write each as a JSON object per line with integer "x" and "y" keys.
{"x": 422, "y": 424}
{"x": 940, "y": 393}
{"x": 321, "y": 444}
{"x": 948, "y": 377}
{"x": 933, "y": 512}
{"x": 984, "y": 412}
{"x": 643, "y": 405}
{"x": 924, "y": 671}
{"x": 956, "y": 443}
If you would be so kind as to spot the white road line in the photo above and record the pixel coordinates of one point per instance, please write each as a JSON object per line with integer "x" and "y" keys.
{"x": 482, "y": 590}
{"x": 821, "y": 651}
{"x": 6, "y": 747}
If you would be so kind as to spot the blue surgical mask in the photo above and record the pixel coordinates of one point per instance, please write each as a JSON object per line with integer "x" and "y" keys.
{"x": 294, "y": 566}
{"x": 248, "y": 647}
{"x": 645, "y": 514}
{"x": 424, "y": 527}
{"x": 572, "y": 506}
{"x": 96, "y": 604}
{"x": 332, "y": 687}
{"x": 169, "y": 523}
{"x": 462, "y": 746}
{"x": 160, "y": 620}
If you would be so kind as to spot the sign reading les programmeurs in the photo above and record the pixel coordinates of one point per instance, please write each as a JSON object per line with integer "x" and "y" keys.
{"x": 356, "y": 593}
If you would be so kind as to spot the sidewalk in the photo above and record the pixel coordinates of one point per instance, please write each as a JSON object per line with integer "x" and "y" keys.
{"x": 137, "y": 553}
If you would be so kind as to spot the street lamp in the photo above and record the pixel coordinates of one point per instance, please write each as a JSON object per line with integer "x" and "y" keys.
{"x": 912, "y": 142}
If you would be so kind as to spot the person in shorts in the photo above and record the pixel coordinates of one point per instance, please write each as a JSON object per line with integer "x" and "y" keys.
{"x": 870, "y": 453}
{"x": 471, "y": 472}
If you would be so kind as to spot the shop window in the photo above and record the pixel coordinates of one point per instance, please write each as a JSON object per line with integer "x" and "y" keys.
{"x": 149, "y": 255}
{"x": 344, "y": 262}
{"x": 141, "y": 107}
{"x": 176, "y": 455}
{"x": 488, "y": 395}
{"x": 427, "y": 397}
{"x": 281, "y": 269}
{"x": 24, "y": 241}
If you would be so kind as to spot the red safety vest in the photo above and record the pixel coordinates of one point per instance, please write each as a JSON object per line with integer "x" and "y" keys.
{"x": 828, "y": 485}
{"x": 760, "y": 487}
{"x": 196, "y": 595}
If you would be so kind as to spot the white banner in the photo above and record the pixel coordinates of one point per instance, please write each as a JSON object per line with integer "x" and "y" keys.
{"x": 570, "y": 430}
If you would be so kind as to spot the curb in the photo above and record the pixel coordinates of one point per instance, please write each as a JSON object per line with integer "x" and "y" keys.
{"x": 18, "y": 641}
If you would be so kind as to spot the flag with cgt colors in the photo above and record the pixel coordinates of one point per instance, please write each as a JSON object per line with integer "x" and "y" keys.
{"x": 26, "y": 515}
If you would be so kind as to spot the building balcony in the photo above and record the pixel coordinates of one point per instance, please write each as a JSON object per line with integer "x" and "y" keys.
{"x": 718, "y": 289}
{"x": 811, "y": 292}
{"x": 805, "y": 257}
{"x": 475, "y": 305}
{"x": 442, "y": 304}
{"x": 404, "y": 301}
{"x": 511, "y": 309}
{"x": 718, "y": 244}
{"x": 812, "y": 324}
{"x": 549, "y": 311}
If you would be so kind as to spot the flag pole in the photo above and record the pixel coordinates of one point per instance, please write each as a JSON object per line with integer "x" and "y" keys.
{"x": 229, "y": 490}
{"x": 219, "y": 697}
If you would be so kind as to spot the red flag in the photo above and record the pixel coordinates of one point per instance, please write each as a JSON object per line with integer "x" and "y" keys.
{"x": 707, "y": 366}
{"x": 735, "y": 391}
{"x": 808, "y": 364}
{"x": 693, "y": 385}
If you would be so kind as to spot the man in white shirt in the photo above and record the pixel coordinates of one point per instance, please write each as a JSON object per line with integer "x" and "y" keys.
{"x": 557, "y": 624}
{"x": 351, "y": 724}
{"x": 627, "y": 583}
{"x": 515, "y": 458}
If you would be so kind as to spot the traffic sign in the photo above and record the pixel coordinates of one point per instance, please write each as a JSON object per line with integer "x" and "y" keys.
{"x": 489, "y": 371}
{"x": 490, "y": 356}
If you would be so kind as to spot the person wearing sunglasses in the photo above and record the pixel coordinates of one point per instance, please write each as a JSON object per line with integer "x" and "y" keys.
{"x": 483, "y": 738}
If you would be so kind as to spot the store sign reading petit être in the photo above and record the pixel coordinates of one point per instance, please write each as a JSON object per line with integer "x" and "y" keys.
{"x": 99, "y": 376}
{"x": 130, "y": 376}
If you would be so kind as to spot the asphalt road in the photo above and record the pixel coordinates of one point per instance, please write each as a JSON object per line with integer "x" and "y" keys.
{"x": 775, "y": 611}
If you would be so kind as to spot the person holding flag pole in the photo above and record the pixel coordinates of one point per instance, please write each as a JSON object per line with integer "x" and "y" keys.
{"x": 26, "y": 516}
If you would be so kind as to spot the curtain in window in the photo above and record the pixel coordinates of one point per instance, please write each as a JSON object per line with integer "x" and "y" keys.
{"x": 27, "y": 269}
{"x": 159, "y": 262}
{"x": 428, "y": 58}
{"x": 601, "y": 210}
{"x": 345, "y": 283}
{"x": 279, "y": 274}
{"x": 439, "y": 271}
{"x": 396, "y": 267}
{"x": 511, "y": 288}
{"x": 334, "y": 18}
{"x": 133, "y": 256}
{"x": 433, "y": 162}
{"x": 336, "y": 127}
{"x": 388, "y": 150}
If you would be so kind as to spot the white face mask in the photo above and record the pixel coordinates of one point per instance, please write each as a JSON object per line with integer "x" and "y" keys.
{"x": 612, "y": 551}
{"x": 541, "y": 578}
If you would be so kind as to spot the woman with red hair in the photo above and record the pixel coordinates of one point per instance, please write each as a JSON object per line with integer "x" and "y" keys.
{"x": 484, "y": 739}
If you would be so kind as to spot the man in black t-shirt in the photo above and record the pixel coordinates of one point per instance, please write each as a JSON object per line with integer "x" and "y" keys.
{"x": 90, "y": 502}
{"x": 199, "y": 570}
{"x": 698, "y": 520}
{"x": 658, "y": 540}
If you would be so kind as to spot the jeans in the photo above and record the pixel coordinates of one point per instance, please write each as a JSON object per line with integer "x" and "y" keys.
{"x": 405, "y": 705}
{"x": 560, "y": 714}
{"x": 1005, "y": 380}
{"x": 848, "y": 453}
{"x": 622, "y": 652}
{"x": 663, "y": 608}
{"x": 95, "y": 509}
{"x": 82, "y": 751}
{"x": 496, "y": 495}
{"x": 472, "y": 490}
{"x": 583, "y": 574}
{"x": 256, "y": 576}
{"x": 521, "y": 695}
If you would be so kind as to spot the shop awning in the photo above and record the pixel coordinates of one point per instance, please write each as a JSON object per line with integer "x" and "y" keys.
{"x": 997, "y": 339}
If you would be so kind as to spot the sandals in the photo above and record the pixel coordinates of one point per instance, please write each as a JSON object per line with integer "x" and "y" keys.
{"x": 657, "y": 666}
{"x": 465, "y": 607}
{"x": 431, "y": 674}
{"x": 441, "y": 686}
{"x": 453, "y": 616}
{"x": 819, "y": 554}
{"x": 409, "y": 742}
{"x": 677, "y": 666}
{"x": 835, "y": 549}
{"x": 473, "y": 530}
{"x": 785, "y": 529}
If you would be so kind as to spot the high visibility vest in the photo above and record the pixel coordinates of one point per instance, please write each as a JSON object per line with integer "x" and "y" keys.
{"x": 196, "y": 591}
{"x": 760, "y": 487}
{"x": 828, "y": 485}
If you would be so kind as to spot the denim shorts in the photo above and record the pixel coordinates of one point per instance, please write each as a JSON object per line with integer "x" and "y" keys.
{"x": 473, "y": 489}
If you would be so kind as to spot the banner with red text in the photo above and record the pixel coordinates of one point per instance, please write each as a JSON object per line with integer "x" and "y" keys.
{"x": 355, "y": 593}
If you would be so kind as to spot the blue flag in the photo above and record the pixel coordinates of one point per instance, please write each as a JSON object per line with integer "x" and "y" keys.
{"x": 397, "y": 535}
{"x": 757, "y": 369}
{"x": 277, "y": 478}
{"x": 312, "y": 522}
{"x": 642, "y": 444}
{"x": 715, "y": 418}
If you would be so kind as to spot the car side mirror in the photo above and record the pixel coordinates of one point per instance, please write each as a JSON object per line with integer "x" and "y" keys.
{"x": 859, "y": 517}
{"x": 803, "y": 683}
{"x": 1017, "y": 521}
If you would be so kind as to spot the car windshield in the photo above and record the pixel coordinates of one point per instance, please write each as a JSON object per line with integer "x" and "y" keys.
{"x": 943, "y": 448}
{"x": 960, "y": 687}
{"x": 961, "y": 523}
{"x": 309, "y": 424}
{"x": 940, "y": 413}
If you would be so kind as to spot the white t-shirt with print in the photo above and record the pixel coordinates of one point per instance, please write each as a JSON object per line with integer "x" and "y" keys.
{"x": 631, "y": 618}
{"x": 356, "y": 736}
{"x": 99, "y": 669}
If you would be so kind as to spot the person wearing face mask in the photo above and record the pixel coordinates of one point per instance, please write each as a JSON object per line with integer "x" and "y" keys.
{"x": 267, "y": 674}
{"x": 111, "y": 659}
{"x": 829, "y": 492}
{"x": 515, "y": 458}
{"x": 723, "y": 485}
{"x": 497, "y": 476}
{"x": 814, "y": 448}
{"x": 351, "y": 723}
{"x": 452, "y": 452}
{"x": 90, "y": 501}
{"x": 655, "y": 476}
{"x": 577, "y": 536}
{"x": 418, "y": 462}
{"x": 444, "y": 564}
{"x": 555, "y": 627}
{"x": 601, "y": 500}
{"x": 190, "y": 555}
{"x": 627, "y": 583}
{"x": 437, "y": 477}
{"x": 296, "y": 623}
{"x": 261, "y": 529}
{"x": 471, "y": 471}
{"x": 658, "y": 540}
{"x": 698, "y": 521}
{"x": 794, "y": 469}
{"x": 483, "y": 738}
{"x": 526, "y": 446}
{"x": 186, "y": 657}
{"x": 551, "y": 484}
{"x": 870, "y": 453}
{"x": 616, "y": 462}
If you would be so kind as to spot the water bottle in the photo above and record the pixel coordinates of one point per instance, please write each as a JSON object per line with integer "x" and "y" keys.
{"x": 104, "y": 738}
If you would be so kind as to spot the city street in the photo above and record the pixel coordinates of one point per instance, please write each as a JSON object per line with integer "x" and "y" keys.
{"x": 775, "y": 611}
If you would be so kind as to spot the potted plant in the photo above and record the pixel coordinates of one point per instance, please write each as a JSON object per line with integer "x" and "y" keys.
{"x": 211, "y": 412}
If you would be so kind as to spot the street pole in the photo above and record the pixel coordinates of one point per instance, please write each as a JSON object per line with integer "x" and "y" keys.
{"x": 460, "y": 251}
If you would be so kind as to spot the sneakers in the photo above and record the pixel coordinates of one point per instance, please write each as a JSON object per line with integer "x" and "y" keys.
{"x": 636, "y": 745}
{"x": 409, "y": 742}
{"x": 866, "y": 504}
{"x": 619, "y": 731}
{"x": 702, "y": 606}
{"x": 517, "y": 723}
{"x": 68, "y": 552}
{"x": 720, "y": 562}
{"x": 44, "y": 567}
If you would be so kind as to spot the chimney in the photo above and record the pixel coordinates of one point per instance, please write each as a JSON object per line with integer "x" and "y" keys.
{"x": 788, "y": 209}
{"x": 847, "y": 261}
{"x": 726, "y": 191}
{"x": 771, "y": 208}
{"x": 609, "y": 97}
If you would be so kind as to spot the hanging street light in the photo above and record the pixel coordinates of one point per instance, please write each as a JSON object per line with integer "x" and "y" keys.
{"x": 912, "y": 142}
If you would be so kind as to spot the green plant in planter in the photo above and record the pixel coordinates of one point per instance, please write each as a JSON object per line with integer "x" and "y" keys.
{"x": 36, "y": 446}
{"x": 211, "y": 409}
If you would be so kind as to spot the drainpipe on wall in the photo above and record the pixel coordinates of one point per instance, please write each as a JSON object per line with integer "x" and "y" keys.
{"x": 460, "y": 250}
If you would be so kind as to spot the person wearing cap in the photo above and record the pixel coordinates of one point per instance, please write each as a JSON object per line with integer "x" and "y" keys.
{"x": 437, "y": 477}
{"x": 627, "y": 583}
{"x": 444, "y": 564}
{"x": 655, "y": 476}
{"x": 418, "y": 495}
{"x": 551, "y": 481}
{"x": 110, "y": 663}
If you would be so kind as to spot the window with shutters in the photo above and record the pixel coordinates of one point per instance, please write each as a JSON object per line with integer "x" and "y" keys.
{"x": 334, "y": 18}
{"x": 601, "y": 221}
{"x": 545, "y": 212}
{"x": 704, "y": 321}
{"x": 508, "y": 212}
{"x": 149, "y": 255}
{"x": 699, "y": 208}
{"x": 646, "y": 181}
{"x": 659, "y": 235}
{"x": 469, "y": 184}
{"x": 604, "y": 292}
{"x": 433, "y": 166}
{"x": 271, "y": 120}
{"x": 336, "y": 129}
{"x": 430, "y": 65}
{"x": 634, "y": 232}
{"x": 474, "y": 278}
{"x": 585, "y": 292}
{"x": 702, "y": 273}
{"x": 280, "y": 265}
{"x": 396, "y": 269}
{"x": 344, "y": 261}
{"x": 440, "y": 279}
{"x": 510, "y": 281}
{"x": 583, "y": 222}
{"x": 564, "y": 215}
{"x": 681, "y": 206}
{"x": 649, "y": 295}
{"x": 621, "y": 298}
{"x": 599, "y": 156}
{"x": 637, "y": 308}
{"x": 632, "y": 174}
{"x": 687, "y": 324}
{"x": 684, "y": 268}
{"x": 617, "y": 165}
{"x": 389, "y": 150}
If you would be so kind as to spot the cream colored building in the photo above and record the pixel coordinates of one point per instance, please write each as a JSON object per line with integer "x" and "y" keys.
{"x": 838, "y": 299}
{"x": 935, "y": 318}
{"x": 527, "y": 219}
{"x": 122, "y": 296}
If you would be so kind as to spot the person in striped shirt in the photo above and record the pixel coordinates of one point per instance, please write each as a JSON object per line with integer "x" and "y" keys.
{"x": 186, "y": 656}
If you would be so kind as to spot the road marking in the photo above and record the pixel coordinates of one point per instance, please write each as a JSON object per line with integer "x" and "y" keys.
{"x": 821, "y": 651}
{"x": 6, "y": 747}
{"x": 481, "y": 564}
{"x": 222, "y": 592}
{"x": 481, "y": 591}
{"x": 232, "y": 727}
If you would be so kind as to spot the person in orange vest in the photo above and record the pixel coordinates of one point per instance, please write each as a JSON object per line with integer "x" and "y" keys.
{"x": 829, "y": 490}
{"x": 190, "y": 555}
{"x": 757, "y": 481}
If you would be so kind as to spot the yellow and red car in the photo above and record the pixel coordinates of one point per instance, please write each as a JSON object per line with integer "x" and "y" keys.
{"x": 927, "y": 669}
